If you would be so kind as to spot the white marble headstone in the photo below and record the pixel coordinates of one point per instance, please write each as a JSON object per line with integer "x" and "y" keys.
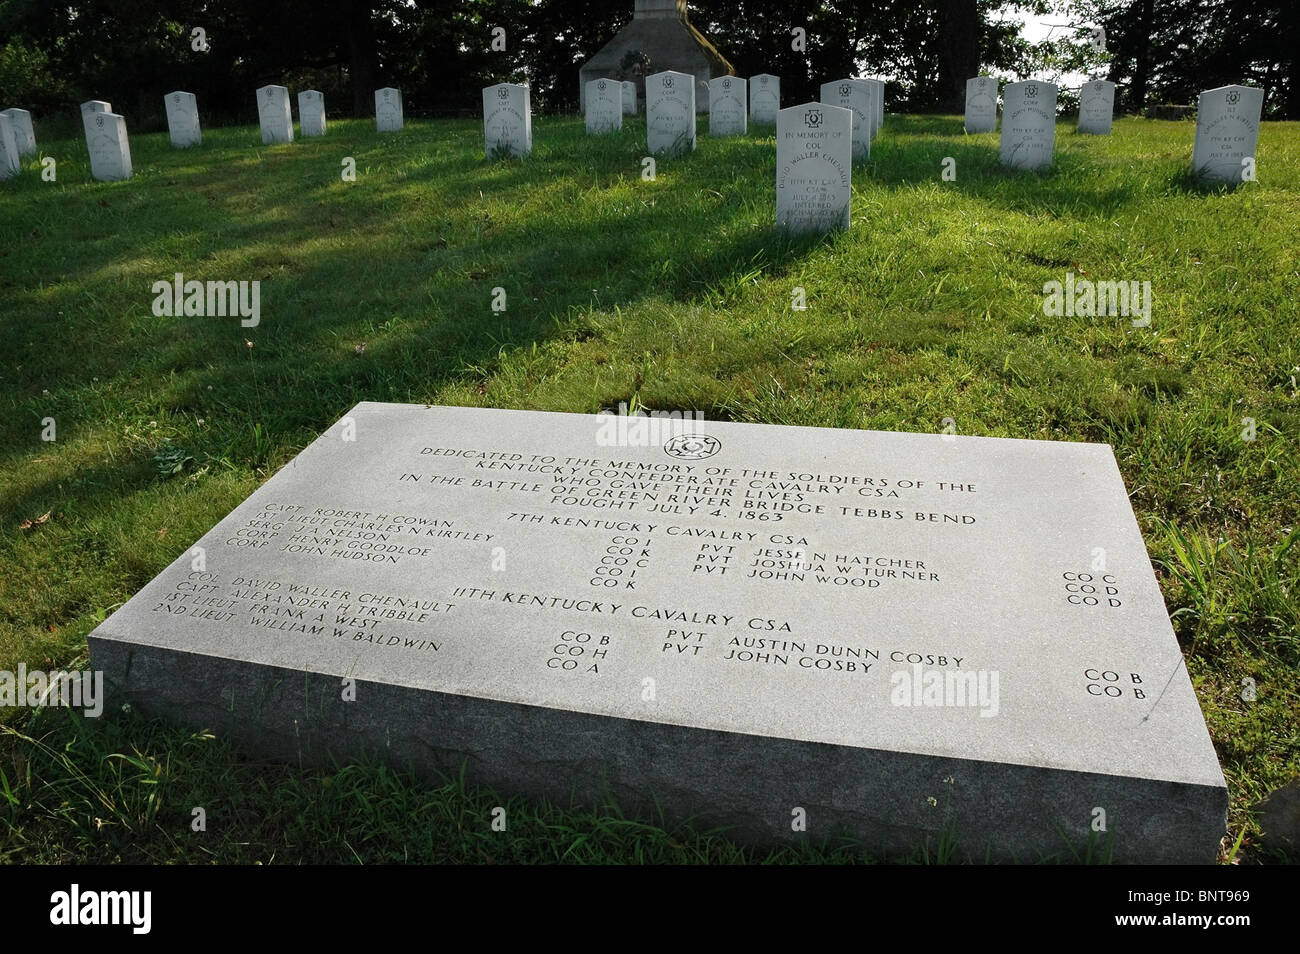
{"x": 629, "y": 98}
{"x": 1028, "y": 124}
{"x": 388, "y": 110}
{"x": 604, "y": 105}
{"x": 1096, "y": 107}
{"x": 670, "y": 112}
{"x": 859, "y": 96}
{"x": 24, "y": 135}
{"x": 88, "y": 111}
{"x": 311, "y": 112}
{"x": 1227, "y": 132}
{"x": 981, "y": 104}
{"x": 274, "y": 115}
{"x": 507, "y": 120}
{"x": 814, "y": 167}
{"x": 183, "y": 119}
{"x": 728, "y": 109}
{"x": 764, "y": 98}
{"x": 9, "y": 161}
{"x": 110, "y": 153}
{"x": 878, "y": 91}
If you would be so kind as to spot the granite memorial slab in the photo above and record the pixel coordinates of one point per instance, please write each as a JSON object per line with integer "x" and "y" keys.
{"x": 110, "y": 151}
{"x": 1096, "y": 107}
{"x": 10, "y": 162}
{"x": 24, "y": 132}
{"x": 670, "y": 113}
{"x": 860, "y": 97}
{"x": 507, "y": 120}
{"x": 1227, "y": 132}
{"x": 183, "y": 119}
{"x": 274, "y": 115}
{"x": 728, "y": 109}
{"x": 896, "y": 634}
{"x": 1028, "y": 125}
{"x": 981, "y": 104}
{"x": 389, "y": 116}
{"x": 764, "y": 98}
{"x": 311, "y": 112}
{"x": 604, "y": 106}
{"x": 814, "y": 168}
{"x": 629, "y": 98}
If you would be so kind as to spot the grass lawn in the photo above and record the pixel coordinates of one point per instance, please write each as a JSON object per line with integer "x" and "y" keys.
{"x": 673, "y": 293}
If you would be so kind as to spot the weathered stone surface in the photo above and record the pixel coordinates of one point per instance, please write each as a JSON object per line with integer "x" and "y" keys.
{"x": 24, "y": 133}
{"x": 604, "y": 105}
{"x": 311, "y": 113}
{"x": 389, "y": 115}
{"x": 1227, "y": 132}
{"x": 1028, "y": 125}
{"x": 183, "y": 119}
{"x": 728, "y": 107}
{"x": 274, "y": 115}
{"x": 1096, "y": 107}
{"x": 507, "y": 120}
{"x": 110, "y": 151}
{"x": 764, "y": 98}
{"x": 981, "y": 104}
{"x": 736, "y": 620}
{"x": 670, "y": 113}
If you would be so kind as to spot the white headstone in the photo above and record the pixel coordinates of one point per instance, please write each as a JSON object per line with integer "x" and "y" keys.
{"x": 311, "y": 112}
{"x": 274, "y": 115}
{"x": 10, "y": 165}
{"x": 604, "y": 105}
{"x": 24, "y": 135}
{"x": 388, "y": 110}
{"x": 1028, "y": 124}
{"x": 507, "y": 120}
{"x": 1096, "y": 107}
{"x": 764, "y": 98}
{"x": 814, "y": 167}
{"x": 110, "y": 153}
{"x": 878, "y": 91}
{"x": 670, "y": 112}
{"x": 981, "y": 104}
{"x": 183, "y": 119}
{"x": 702, "y": 96}
{"x": 728, "y": 109}
{"x": 859, "y": 96}
{"x": 88, "y": 111}
{"x": 1227, "y": 131}
{"x": 629, "y": 98}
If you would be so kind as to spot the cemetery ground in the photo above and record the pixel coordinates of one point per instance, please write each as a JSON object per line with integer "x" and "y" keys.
{"x": 671, "y": 294}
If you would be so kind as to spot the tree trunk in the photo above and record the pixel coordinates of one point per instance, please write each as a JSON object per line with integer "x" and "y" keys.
{"x": 361, "y": 56}
{"x": 959, "y": 55}
{"x": 1142, "y": 58}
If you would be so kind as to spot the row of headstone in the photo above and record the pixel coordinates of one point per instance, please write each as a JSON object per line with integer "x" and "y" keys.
{"x": 17, "y": 139}
{"x": 1096, "y": 105}
{"x": 110, "y": 152}
{"x": 1227, "y": 123}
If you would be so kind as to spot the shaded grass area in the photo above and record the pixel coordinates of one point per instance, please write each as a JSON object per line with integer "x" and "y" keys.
{"x": 675, "y": 293}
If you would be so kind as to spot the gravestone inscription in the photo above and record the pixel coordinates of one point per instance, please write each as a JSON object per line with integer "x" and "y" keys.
{"x": 860, "y": 97}
{"x": 1028, "y": 125}
{"x": 183, "y": 119}
{"x": 1227, "y": 133}
{"x": 1096, "y": 107}
{"x": 274, "y": 114}
{"x": 311, "y": 112}
{"x": 899, "y": 633}
{"x": 24, "y": 132}
{"x": 389, "y": 116}
{"x": 507, "y": 120}
{"x": 728, "y": 109}
{"x": 604, "y": 105}
{"x": 110, "y": 152}
{"x": 814, "y": 167}
{"x": 981, "y": 104}
{"x": 670, "y": 112}
{"x": 764, "y": 98}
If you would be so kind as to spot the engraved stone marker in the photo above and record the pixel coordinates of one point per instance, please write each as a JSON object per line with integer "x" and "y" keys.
{"x": 604, "y": 105}
{"x": 311, "y": 112}
{"x": 274, "y": 115}
{"x": 1028, "y": 124}
{"x": 1227, "y": 132}
{"x": 670, "y": 112}
{"x": 814, "y": 167}
{"x": 388, "y": 110}
{"x": 24, "y": 134}
{"x": 981, "y": 104}
{"x": 10, "y": 162}
{"x": 878, "y": 89}
{"x": 88, "y": 111}
{"x": 1096, "y": 107}
{"x": 110, "y": 152}
{"x": 629, "y": 98}
{"x": 897, "y": 632}
{"x": 860, "y": 97}
{"x": 507, "y": 120}
{"x": 764, "y": 98}
{"x": 183, "y": 119}
{"x": 728, "y": 110}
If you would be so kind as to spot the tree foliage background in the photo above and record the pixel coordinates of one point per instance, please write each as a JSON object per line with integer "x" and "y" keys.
{"x": 439, "y": 52}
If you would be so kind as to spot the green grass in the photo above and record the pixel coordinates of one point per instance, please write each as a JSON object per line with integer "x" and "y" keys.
{"x": 674, "y": 293}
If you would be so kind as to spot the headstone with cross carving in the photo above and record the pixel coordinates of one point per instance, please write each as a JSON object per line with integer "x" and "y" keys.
{"x": 311, "y": 112}
{"x": 1096, "y": 107}
{"x": 507, "y": 120}
{"x": 981, "y": 104}
{"x": 110, "y": 153}
{"x": 670, "y": 112}
{"x": 274, "y": 115}
{"x": 1227, "y": 132}
{"x": 1028, "y": 125}
{"x": 764, "y": 98}
{"x": 860, "y": 97}
{"x": 389, "y": 116}
{"x": 604, "y": 106}
{"x": 814, "y": 167}
{"x": 183, "y": 119}
{"x": 728, "y": 109}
